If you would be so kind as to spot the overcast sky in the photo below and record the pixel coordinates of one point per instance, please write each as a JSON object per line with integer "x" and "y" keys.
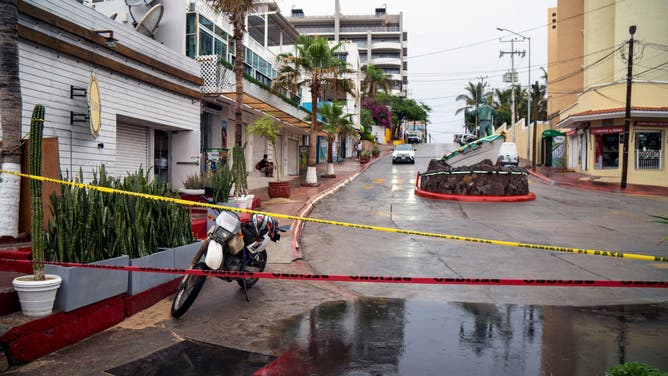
{"x": 452, "y": 43}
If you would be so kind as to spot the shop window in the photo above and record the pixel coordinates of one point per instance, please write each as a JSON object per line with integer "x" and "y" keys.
{"x": 607, "y": 151}
{"x": 648, "y": 150}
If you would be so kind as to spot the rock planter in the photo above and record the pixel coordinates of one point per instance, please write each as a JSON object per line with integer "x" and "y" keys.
{"x": 84, "y": 286}
{"x": 482, "y": 179}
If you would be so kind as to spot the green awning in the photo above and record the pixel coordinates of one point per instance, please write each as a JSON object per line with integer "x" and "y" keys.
{"x": 552, "y": 133}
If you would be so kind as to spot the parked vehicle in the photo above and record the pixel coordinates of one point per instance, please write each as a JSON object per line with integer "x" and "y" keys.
{"x": 234, "y": 243}
{"x": 508, "y": 154}
{"x": 403, "y": 153}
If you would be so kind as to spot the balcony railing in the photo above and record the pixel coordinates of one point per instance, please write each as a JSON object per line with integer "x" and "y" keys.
{"x": 386, "y": 46}
{"x": 219, "y": 79}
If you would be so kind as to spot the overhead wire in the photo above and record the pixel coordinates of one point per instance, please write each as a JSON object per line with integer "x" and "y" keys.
{"x": 521, "y": 31}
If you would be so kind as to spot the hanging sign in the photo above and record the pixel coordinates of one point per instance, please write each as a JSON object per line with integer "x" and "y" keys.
{"x": 94, "y": 106}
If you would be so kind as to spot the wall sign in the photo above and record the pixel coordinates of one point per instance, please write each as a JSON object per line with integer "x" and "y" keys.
{"x": 607, "y": 130}
{"x": 94, "y": 106}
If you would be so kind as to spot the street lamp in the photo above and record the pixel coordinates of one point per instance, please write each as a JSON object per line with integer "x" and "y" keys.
{"x": 528, "y": 119}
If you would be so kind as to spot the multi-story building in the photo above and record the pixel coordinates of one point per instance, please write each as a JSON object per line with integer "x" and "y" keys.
{"x": 588, "y": 50}
{"x": 194, "y": 29}
{"x": 380, "y": 38}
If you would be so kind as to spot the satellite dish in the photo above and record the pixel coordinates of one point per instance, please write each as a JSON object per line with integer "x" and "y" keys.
{"x": 150, "y": 21}
{"x": 136, "y": 3}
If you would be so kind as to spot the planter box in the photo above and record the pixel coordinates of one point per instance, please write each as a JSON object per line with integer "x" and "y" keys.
{"x": 141, "y": 281}
{"x": 83, "y": 286}
{"x": 183, "y": 256}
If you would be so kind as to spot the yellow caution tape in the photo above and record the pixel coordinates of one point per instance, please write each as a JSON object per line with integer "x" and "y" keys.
{"x": 593, "y": 252}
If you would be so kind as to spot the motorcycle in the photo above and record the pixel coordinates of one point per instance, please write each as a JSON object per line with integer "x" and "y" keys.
{"x": 235, "y": 242}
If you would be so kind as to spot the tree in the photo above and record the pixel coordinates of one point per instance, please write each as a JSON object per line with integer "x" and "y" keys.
{"x": 335, "y": 121}
{"x": 474, "y": 92}
{"x": 236, "y": 11}
{"x": 374, "y": 80}
{"x": 318, "y": 68}
{"x": 502, "y": 106}
{"x": 10, "y": 116}
{"x": 405, "y": 109}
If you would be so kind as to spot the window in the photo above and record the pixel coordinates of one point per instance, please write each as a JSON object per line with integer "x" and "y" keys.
{"x": 191, "y": 35}
{"x": 607, "y": 151}
{"x": 205, "y": 43}
{"x": 648, "y": 150}
{"x": 205, "y": 22}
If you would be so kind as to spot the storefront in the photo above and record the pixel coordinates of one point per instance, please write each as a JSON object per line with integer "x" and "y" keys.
{"x": 606, "y": 147}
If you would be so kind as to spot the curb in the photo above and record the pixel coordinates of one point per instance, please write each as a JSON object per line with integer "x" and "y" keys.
{"x": 469, "y": 198}
{"x": 306, "y": 209}
{"x": 541, "y": 177}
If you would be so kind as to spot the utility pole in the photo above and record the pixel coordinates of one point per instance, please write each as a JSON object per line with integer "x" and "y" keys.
{"x": 513, "y": 74}
{"x": 627, "y": 115}
{"x": 536, "y": 97}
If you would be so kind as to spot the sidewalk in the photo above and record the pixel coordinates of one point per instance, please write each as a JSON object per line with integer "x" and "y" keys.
{"x": 20, "y": 333}
{"x": 572, "y": 179}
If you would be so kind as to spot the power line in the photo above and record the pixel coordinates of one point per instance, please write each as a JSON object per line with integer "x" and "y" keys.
{"x": 521, "y": 32}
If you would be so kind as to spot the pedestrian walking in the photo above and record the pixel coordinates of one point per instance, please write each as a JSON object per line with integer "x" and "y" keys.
{"x": 359, "y": 149}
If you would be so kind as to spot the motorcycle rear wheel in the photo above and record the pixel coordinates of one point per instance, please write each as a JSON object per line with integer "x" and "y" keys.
{"x": 188, "y": 290}
{"x": 257, "y": 264}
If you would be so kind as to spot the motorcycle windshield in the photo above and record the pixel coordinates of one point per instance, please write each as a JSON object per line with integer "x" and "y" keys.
{"x": 229, "y": 221}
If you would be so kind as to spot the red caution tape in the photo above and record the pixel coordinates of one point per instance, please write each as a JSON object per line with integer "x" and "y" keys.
{"x": 374, "y": 279}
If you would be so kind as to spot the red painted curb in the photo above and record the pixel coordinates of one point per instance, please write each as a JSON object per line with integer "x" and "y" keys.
{"x": 24, "y": 253}
{"x": 469, "y": 198}
{"x": 45, "y": 335}
{"x": 9, "y": 302}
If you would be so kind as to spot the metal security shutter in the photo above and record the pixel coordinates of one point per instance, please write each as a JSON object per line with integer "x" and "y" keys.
{"x": 131, "y": 149}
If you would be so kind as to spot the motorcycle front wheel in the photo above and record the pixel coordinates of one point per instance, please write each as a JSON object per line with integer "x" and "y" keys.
{"x": 188, "y": 290}
{"x": 257, "y": 264}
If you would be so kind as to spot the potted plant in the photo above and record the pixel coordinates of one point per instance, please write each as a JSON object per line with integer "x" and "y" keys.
{"x": 365, "y": 157}
{"x": 90, "y": 226}
{"x": 37, "y": 293}
{"x": 267, "y": 127}
{"x": 194, "y": 185}
{"x": 375, "y": 151}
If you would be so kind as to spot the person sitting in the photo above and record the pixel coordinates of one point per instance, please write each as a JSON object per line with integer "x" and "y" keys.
{"x": 265, "y": 166}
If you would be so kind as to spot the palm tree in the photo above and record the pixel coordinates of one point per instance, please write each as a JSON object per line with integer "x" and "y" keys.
{"x": 474, "y": 92}
{"x": 374, "y": 80}
{"x": 10, "y": 113}
{"x": 318, "y": 68}
{"x": 236, "y": 11}
{"x": 335, "y": 121}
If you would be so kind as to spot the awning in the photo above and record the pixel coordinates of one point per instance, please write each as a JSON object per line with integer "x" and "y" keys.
{"x": 548, "y": 133}
{"x": 261, "y": 106}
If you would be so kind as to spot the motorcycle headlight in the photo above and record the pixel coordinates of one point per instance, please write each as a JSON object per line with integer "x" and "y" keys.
{"x": 220, "y": 234}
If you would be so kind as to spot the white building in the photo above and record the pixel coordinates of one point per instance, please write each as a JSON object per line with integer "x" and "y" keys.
{"x": 193, "y": 29}
{"x": 149, "y": 95}
{"x": 380, "y": 37}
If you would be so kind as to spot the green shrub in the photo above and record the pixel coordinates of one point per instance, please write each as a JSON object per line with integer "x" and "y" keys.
{"x": 222, "y": 181}
{"x": 634, "y": 369}
{"x": 196, "y": 181}
{"x": 89, "y": 225}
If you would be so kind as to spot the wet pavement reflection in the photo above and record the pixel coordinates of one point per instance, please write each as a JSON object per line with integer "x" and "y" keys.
{"x": 399, "y": 337}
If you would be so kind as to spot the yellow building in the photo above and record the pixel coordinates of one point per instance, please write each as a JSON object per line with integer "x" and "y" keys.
{"x": 588, "y": 47}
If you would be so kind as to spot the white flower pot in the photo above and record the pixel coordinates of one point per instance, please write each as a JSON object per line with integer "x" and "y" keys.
{"x": 37, "y": 297}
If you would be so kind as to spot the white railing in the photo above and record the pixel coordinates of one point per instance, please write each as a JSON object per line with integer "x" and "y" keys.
{"x": 386, "y": 46}
{"x": 217, "y": 78}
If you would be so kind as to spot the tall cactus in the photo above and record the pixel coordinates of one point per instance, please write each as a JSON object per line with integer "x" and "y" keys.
{"x": 37, "y": 207}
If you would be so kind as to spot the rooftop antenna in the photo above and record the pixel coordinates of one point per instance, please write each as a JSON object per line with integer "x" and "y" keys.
{"x": 136, "y": 3}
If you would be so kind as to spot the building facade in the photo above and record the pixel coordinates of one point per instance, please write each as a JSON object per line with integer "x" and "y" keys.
{"x": 589, "y": 49}
{"x": 149, "y": 96}
{"x": 380, "y": 38}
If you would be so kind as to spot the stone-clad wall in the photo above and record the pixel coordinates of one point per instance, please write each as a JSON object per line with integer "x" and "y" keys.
{"x": 482, "y": 179}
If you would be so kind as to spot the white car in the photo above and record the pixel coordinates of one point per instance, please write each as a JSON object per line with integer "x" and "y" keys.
{"x": 508, "y": 154}
{"x": 403, "y": 153}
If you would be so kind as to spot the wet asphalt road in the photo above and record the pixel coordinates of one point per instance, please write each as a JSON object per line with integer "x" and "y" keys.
{"x": 315, "y": 328}
{"x": 383, "y": 196}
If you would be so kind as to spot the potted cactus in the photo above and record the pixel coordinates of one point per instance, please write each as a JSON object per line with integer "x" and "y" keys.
{"x": 37, "y": 293}
{"x": 267, "y": 127}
